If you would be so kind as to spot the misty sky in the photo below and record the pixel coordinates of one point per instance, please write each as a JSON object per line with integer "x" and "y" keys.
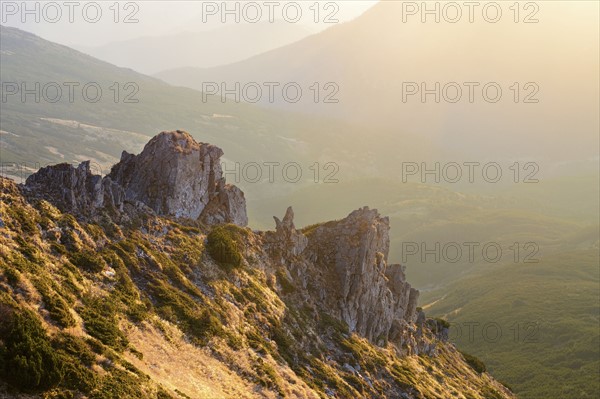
{"x": 156, "y": 18}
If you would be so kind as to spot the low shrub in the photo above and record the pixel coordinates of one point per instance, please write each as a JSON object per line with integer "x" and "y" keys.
{"x": 177, "y": 307}
{"x": 473, "y": 362}
{"x": 28, "y": 362}
{"x": 100, "y": 321}
{"x": 223, "y": 246}
{"x": 287, "y": 286}
{"x": 88, "y": 261}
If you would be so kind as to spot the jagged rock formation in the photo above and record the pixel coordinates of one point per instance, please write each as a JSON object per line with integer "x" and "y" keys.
{"x": 344, "y": 265}
{"x": 286, "y": 238}
{"x": 173, "y": 176}
{"x": 355, "y": 250}
{"x": 69, "y": 188}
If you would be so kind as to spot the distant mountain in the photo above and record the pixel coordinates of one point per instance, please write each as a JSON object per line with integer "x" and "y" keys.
{"x": 373, "y": 57}
{"x": 214, "y": 47}
{"x": 62, "y": 131}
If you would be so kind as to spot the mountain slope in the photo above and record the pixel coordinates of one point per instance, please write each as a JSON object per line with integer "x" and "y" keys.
{"x": 555, "y": 299}
{"x": 371, "y": 57}
{"x": 198, "y": 49}
{"x": 548, "y": 315}
{"x": 127, "y": 301}
{"x": 49, "y": 132}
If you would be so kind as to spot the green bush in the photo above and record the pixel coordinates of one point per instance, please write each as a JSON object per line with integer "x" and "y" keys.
{"x": 223, "y": 246}
{"x": 284, "y": 342}
{"x": 12, "y": 276}
{"x": 442, "y": 322}
{"x": 59, "y": 310}
{"x": 100, "y": 321}
{"x": 326, "y": 321}
{"x": 57, "y": 307}
{"x": 286, "y": 285}
{"x": 28, "y": 361}
{"x": 162, "y": 394}
{"x": 29, "y": 251}
{"x": 474, "y": 362}
{"x": 204, "y": 326}
{"x": 25, "y": 220}
{"x": 177, "y": 307}
{"x": 74, "y": 346}
{"x": 88, "y": 261}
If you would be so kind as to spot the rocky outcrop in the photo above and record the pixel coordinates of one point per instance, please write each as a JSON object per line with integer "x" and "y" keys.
{"x": 74, "y": 190}
{"x": 227, "y": 204}
{"x": 344, "y": 264}
{"x": 289, "y": 241}
{"x": 371, "y": 294}
{"x": 340, "y": 266}
{"x": 173, "y": 176}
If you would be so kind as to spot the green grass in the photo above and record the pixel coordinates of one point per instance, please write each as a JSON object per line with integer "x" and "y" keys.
{"x": 475, "y": 363}
{"x": 101, "y": 322}
{"x": 548, "y": 316}
{"x": 27, "y": 359}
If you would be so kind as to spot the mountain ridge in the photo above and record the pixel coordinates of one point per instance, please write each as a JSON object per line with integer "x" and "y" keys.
{"x": 371, "y": 58}
{"x": 305, "y": 313}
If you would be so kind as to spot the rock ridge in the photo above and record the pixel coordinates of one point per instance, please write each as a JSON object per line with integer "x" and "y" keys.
{"x": 343, "y": 265}
{"x": 340, "y": 267}
{"x": 173, "y": 176}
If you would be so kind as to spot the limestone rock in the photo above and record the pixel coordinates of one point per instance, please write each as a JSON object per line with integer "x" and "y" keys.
{"x": 70, "y": 189}
{"x": 373, "y": 298}
{"x": 173, "y": 176}
{"x": 227, "y": 205}
{"x": 290, "y": 240}
{"x": 176, "y": 176}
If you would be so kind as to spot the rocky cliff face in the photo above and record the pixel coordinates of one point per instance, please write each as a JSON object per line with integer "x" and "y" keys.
{"x": 70, "y": 189}
{"x": 173, "y": 176}
{"x": 344, "y": 265}
{"x": 354, "y": 252}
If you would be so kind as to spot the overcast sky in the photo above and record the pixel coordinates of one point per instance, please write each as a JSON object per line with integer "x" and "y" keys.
{"x": 156, "y": 18}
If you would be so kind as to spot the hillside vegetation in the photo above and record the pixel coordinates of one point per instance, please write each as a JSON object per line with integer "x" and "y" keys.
{"x": 158, "y": 309}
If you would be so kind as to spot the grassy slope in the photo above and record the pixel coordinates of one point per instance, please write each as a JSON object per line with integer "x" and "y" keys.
{"x": 106, "y": 311}
{"x": 554, "y": 307}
